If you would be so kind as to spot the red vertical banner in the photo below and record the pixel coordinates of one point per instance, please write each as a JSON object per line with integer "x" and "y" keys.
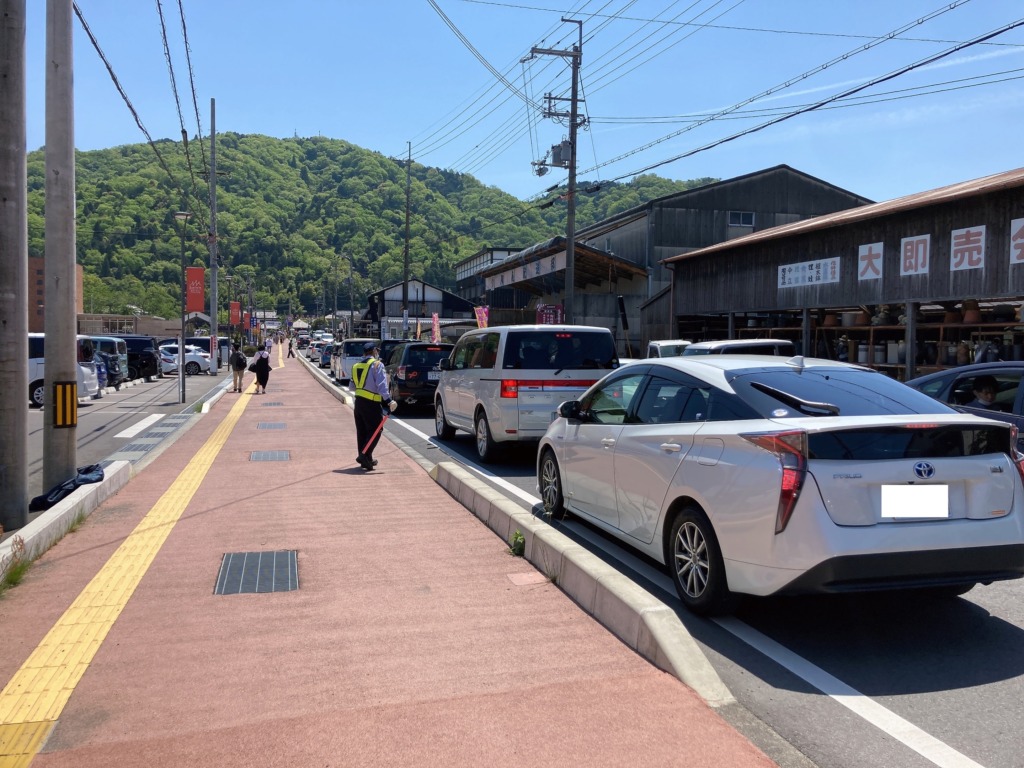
{"x": 481, "y": 316}
{"x": 245, "y": 319}
{"x": 236, "y": 312}
{"x": 195, "y": 280}
{"x": 435, "y": 328}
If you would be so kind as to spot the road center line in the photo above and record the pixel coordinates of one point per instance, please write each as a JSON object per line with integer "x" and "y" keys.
{"x": 135, "y": 429}
{"x": 889, "y": 722}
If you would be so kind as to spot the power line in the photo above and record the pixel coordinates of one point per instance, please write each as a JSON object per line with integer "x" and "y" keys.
{"x": 843, "y": 94}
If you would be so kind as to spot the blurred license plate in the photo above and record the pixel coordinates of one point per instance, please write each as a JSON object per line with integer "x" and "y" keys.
{"x": 915, "y": 501}
{"x": 433, "y": 375}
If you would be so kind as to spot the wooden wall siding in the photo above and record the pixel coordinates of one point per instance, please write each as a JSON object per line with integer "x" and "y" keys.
{"x": 746, "y": 278}
{"x": 628, "y": 242}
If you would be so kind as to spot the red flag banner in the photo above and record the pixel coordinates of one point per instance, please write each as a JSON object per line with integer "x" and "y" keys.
{"x": 195, "y": 280}
{"x": 236, "y": 312}
{"x": 481, "y": 316}
{"x": 435, "y": 328}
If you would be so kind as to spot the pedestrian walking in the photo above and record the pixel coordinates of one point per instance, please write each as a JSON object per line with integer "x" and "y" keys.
{"x": 238, "y": 366}
{"x": 269, "y": 344}
{"x": 262, "y": 364}
{"x": 291, "y": 352}
{"x": 373, "y": 403}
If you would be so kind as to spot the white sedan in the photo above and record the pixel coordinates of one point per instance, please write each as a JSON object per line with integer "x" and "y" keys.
{"x": 758, "y": 475}
{"x": 197, "y": 360}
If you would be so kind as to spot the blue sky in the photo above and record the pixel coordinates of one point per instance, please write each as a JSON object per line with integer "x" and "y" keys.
{"x": 381, "y": 73}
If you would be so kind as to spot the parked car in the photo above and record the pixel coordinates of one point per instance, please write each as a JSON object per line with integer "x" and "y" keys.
{"x": 197, "y": 360}
{"x": 115, "y": 373}
{"x": 782, "y": 347}
{"x": 302, "y": 341}
{"x": 667, "y": 347}
{"x": 955, "y": 387}
{"x": 325, "y": 356}
{"x": 113, "y": 345}
{"x": 504, "y": 384}
{"x": 351, "y": 353}
{"x": 314, "y": 349}
{"x": 388, "y": 347}
{"x": 203, "y": 343}
{"x": 414, "y": 370}
{"x": 101, "y": 375}
{"x": 143, "y": 362}
{"x": 788, "y": 477}
{"x": 88, "y": 382}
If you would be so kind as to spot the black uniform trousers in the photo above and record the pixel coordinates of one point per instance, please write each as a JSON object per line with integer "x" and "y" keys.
{"x": 368, "y": 415}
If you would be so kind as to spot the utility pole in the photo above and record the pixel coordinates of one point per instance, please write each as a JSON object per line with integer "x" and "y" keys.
{"x": 13, "y": 268}
{"x": 214, "y": 323}
{"x": 60, "y": 425}
{"x": 575, "y": 56}
{"x": 351, "y": 303}
{"x": 405, "y": 270}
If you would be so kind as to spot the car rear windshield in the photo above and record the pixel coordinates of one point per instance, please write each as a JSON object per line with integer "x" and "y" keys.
{"x": 352, "y": 348}
{"x": 426, "y": 355}
{"x": 560, "y": 350}
{"x": 791, "y": 393}
{"x": 918, "y": 442}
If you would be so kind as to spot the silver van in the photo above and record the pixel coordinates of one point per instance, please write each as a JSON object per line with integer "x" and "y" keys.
{"x": 504, "y": 384}
{"x": 667, "y": 347}
{"x": 782, "y": 347}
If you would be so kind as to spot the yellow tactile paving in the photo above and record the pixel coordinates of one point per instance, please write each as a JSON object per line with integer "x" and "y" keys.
{"x": 34, "y": 697}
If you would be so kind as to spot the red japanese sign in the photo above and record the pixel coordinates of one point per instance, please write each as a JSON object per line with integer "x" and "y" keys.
{"x": 195, "y": 280}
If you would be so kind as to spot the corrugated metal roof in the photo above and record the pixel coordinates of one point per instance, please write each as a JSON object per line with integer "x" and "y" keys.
{"x": 995, "y": 183}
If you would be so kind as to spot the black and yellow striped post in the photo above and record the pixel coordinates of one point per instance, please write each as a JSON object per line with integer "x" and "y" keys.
{"x": 65, "y": 404}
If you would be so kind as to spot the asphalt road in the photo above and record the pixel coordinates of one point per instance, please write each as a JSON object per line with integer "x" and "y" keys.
{"x": 107, "y": 424}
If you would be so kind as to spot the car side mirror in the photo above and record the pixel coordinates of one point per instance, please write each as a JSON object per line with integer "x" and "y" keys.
{"x": 569, "y": 409}
{"x": 445, "y": 364}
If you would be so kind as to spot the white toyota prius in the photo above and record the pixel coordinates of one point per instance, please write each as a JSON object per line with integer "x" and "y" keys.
{"x": 763, "y": 476}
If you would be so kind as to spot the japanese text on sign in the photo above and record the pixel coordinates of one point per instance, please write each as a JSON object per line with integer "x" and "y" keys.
{"x": 1017, "y": 241}
{"x": 869, "y": 261}
{"x": 914, "y": 255}
{"x": 809, "y": 273}
{"x": 967, "y": 249}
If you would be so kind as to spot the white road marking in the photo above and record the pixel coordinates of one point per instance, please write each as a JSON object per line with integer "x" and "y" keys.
{"x": 141, "y": 426}
{"x": 889, "y": 722}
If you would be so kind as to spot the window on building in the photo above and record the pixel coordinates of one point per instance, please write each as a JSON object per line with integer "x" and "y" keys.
{"x": 741, "y": 218}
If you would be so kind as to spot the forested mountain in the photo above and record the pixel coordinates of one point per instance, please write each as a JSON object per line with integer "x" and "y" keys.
{"x": 290, "y": 212}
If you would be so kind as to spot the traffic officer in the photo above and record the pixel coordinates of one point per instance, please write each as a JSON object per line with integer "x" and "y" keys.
{"x": 372, "y": 392}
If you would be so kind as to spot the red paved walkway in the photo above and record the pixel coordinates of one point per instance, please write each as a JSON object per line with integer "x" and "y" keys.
{"x": 415, "y": 638}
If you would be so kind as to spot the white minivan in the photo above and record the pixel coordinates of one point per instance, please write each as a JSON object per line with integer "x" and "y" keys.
{"x": 504, "y": 384}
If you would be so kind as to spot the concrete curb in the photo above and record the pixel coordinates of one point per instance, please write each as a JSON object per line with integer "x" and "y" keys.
{"x": 51, "y": 526}
{"x": 632, "y": 614}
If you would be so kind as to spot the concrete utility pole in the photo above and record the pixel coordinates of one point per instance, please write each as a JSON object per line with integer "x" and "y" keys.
{"x": 351, "y": 304}
{"x": 575, "y": 56}
{"x": 405, "y": 270}
{"x": 183, "y": 216}
{"x": 60, "y": 425}
{"x": 214, "y": 324}
{"x": 13, "y": 269}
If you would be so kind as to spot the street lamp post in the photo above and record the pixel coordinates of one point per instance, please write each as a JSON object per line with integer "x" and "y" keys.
{"x": 351, "y": 305}
{"x": 183, "y": 217}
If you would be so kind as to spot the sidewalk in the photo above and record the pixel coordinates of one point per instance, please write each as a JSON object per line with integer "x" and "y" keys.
{"x": 414, "y": 637}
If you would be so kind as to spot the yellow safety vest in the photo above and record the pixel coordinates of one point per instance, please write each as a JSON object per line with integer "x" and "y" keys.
{"x": 359, "y": 373}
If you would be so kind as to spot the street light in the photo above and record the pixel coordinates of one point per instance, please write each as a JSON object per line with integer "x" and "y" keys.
{"x": 183, "y": 217}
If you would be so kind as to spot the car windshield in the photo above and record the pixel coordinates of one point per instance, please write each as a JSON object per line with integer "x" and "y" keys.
{"x": 791, "y": 393}
{"x": 426, "y": 355}
{"x": 560, "y": 350}
{"x": 352, "y": 348}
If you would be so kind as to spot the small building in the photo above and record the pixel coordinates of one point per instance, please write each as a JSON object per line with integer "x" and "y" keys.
{"x": 385, "y": 315}
{"x": 622, "y": 255}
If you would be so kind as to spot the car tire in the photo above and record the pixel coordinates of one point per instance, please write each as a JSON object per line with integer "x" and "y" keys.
{"x": 133, "y": 373}
{"x": 695, "y": 561}
{"x": 549, "y": 479}
{"x": 486, "y": 448}
{"x": 192, "y": 368}
{"x": 442, "y": 428}
{"x": 37, "y": 393}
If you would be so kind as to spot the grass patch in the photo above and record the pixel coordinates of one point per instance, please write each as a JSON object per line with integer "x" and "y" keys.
{"x": 16, "y": 565}
{"x": 517, "y": 544}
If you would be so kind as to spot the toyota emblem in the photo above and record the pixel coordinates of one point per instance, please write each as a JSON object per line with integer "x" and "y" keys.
{"x": 924, "y": 470}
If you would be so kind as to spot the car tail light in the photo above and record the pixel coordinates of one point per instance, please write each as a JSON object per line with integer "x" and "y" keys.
{"x": 511, "y": 387}
{"x": 1016, "y": 457}
{"x": 791, "y": 450}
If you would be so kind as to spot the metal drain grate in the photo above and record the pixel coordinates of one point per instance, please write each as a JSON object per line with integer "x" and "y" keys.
{"x": 270, "y": 405}
{"x": 270, "y": 456}
{"x": 252, "y": 572}
{"x": 270, "y": 425}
